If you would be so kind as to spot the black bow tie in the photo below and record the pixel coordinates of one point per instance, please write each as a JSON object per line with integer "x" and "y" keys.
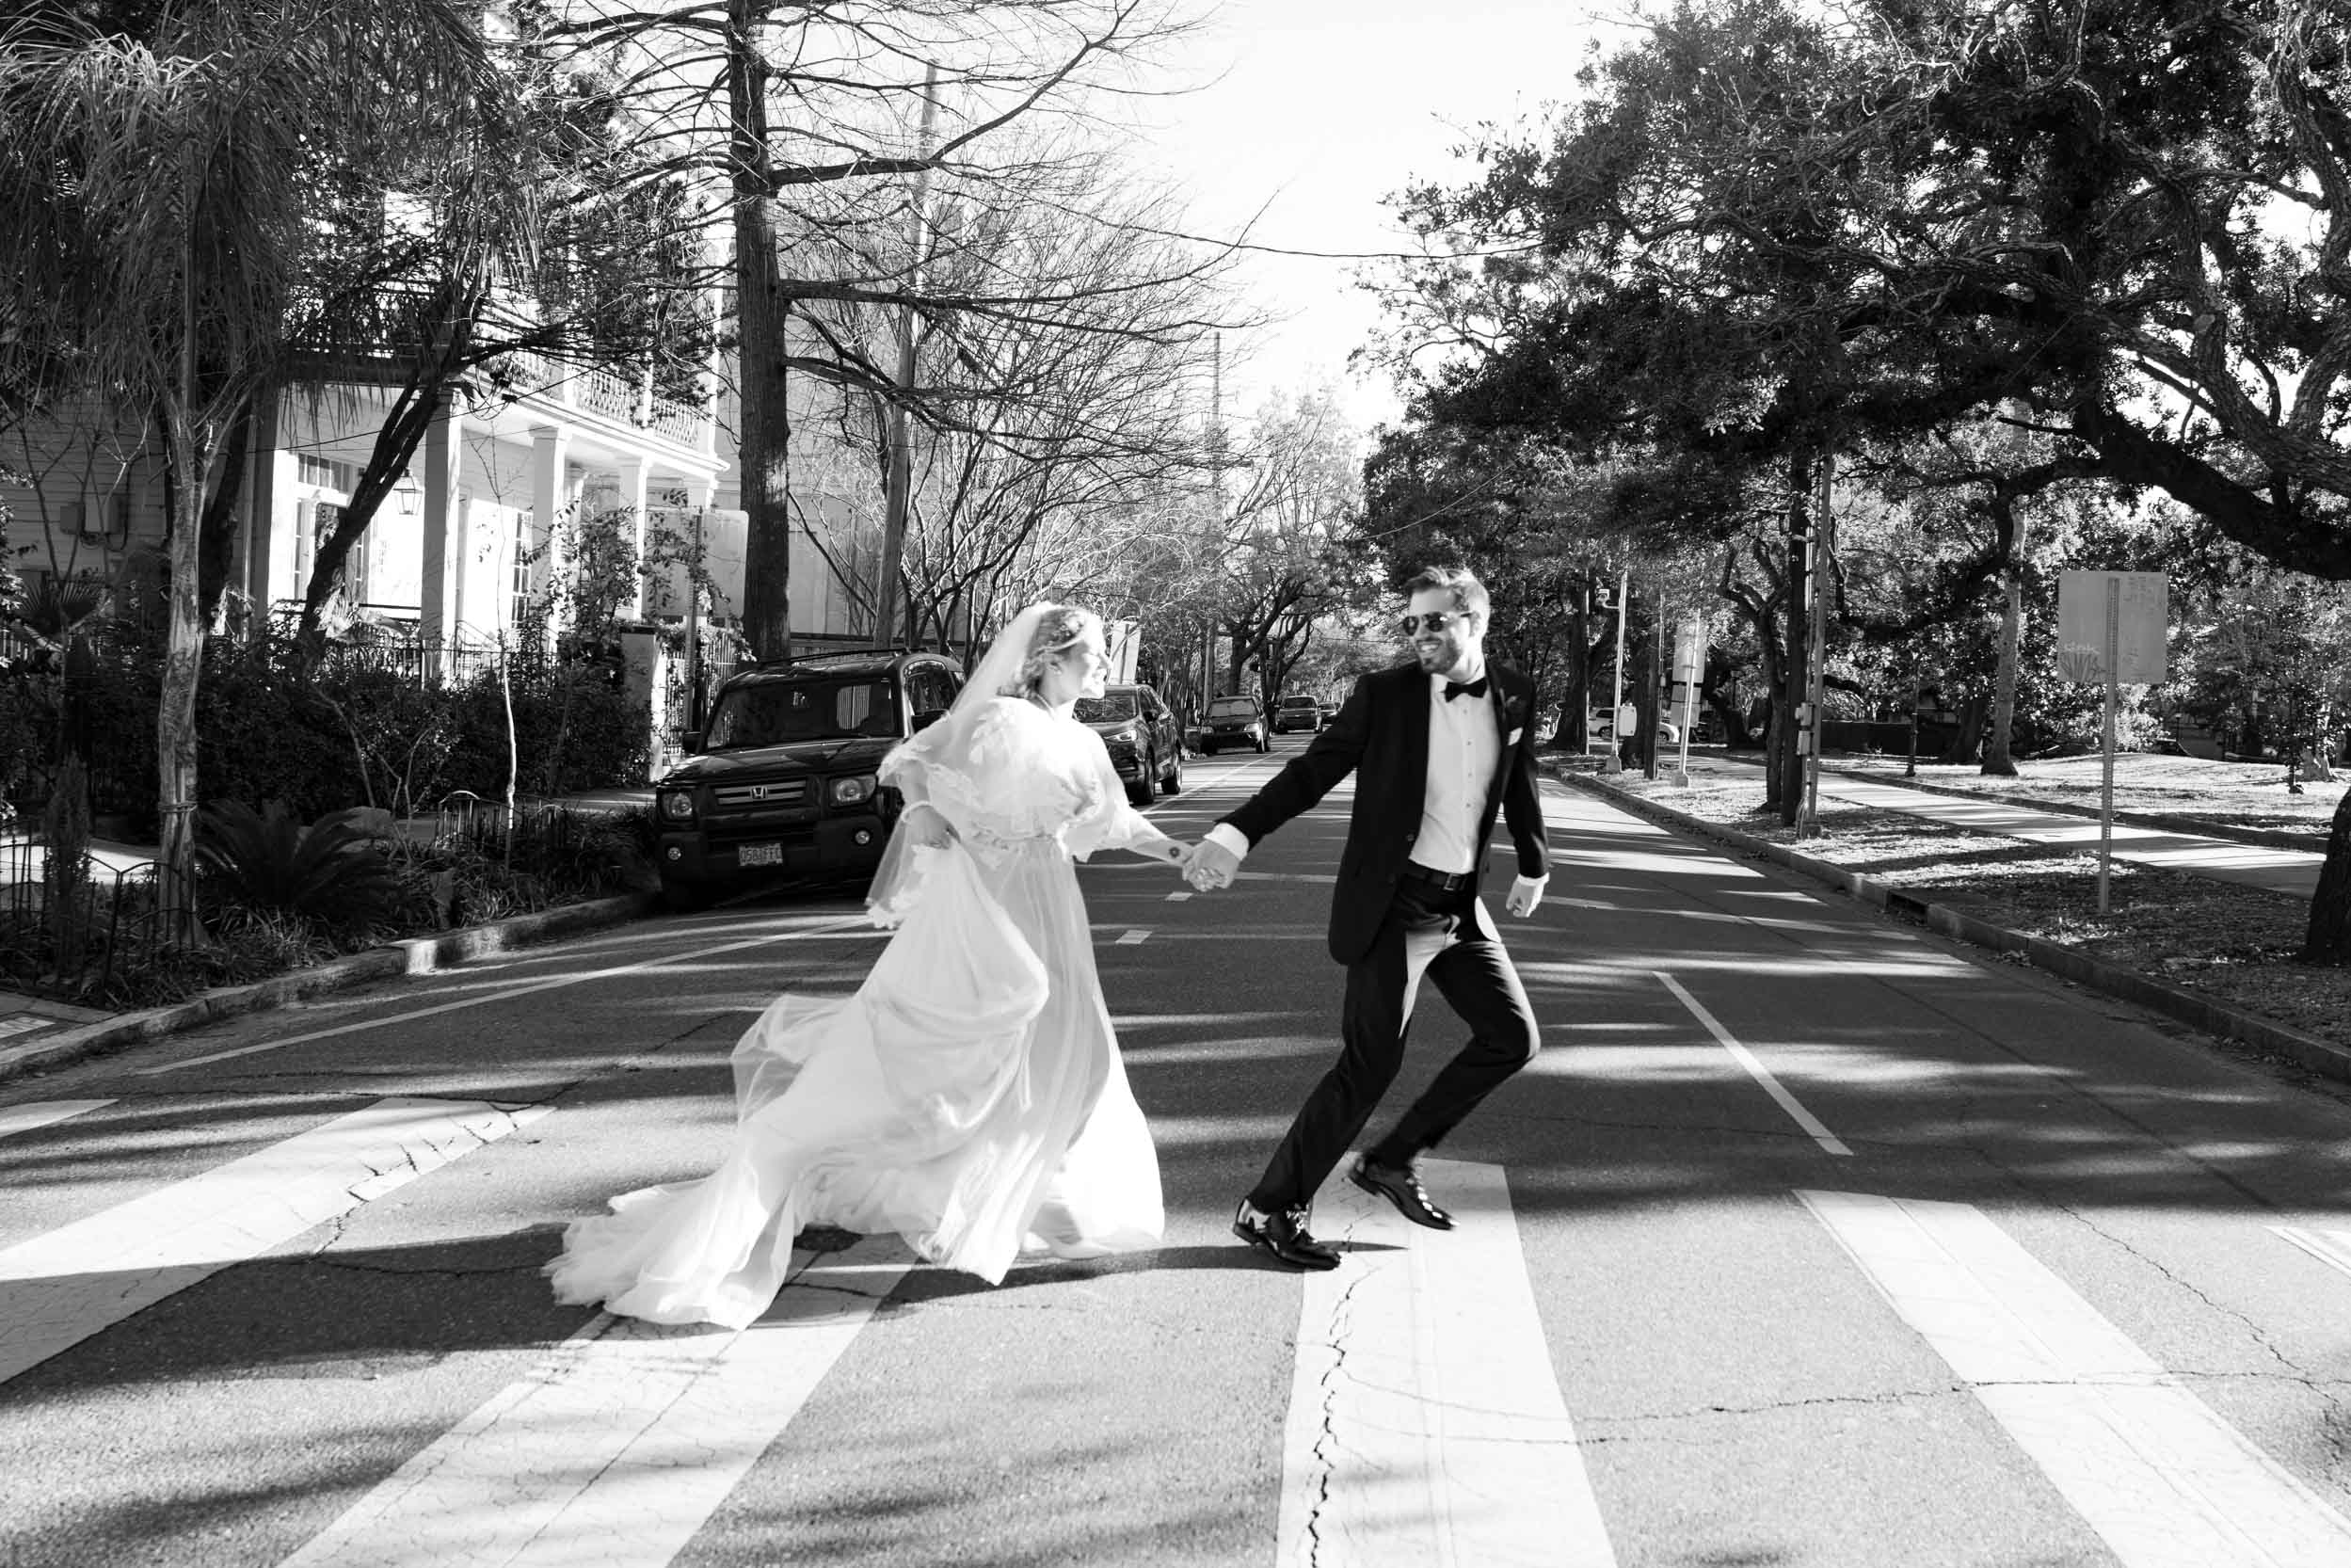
{"x": 1455, "y": 688}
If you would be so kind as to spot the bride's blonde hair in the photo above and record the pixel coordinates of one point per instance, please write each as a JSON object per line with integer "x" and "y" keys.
{"x": 1060, "y": 628}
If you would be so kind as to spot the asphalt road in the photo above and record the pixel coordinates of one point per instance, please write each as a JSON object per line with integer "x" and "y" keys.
{"x": 1809, "y": 1239}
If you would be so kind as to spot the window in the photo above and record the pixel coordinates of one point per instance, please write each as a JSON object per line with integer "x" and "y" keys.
{"x": 779, "y": 712}
{"x": 519, "y": 573}
{"x": 929, "y": 689}
{"x": 324, "y": 472}
{"x": 1106, "y": 709}
{"x": 351, "y": 578}
{"x": 1233, "y": 708}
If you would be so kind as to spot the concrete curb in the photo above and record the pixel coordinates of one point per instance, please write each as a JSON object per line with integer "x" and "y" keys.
{"x": 2312, "y": 842}
{"x": 2320, "y": 1056}
{"x": 410, "y": 955}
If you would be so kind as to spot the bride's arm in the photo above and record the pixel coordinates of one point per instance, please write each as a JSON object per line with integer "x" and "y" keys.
{"x": 1112, "y": 824}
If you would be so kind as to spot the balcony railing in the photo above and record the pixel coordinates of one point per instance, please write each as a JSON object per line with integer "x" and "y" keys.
{"x": 615, "y": 398}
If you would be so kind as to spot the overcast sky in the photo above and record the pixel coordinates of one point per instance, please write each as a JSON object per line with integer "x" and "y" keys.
{"x": 1317, "y": 109}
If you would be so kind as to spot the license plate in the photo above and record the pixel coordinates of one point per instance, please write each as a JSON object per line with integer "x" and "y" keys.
{"x": 760, "y": 855}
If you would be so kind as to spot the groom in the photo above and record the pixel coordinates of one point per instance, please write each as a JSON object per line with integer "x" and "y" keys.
{"x": 1435, "y": 747}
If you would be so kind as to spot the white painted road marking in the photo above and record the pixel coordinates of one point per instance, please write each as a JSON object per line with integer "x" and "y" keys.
{"x": 1756, "y": 1070}
{"x": 2163, "y": 1479}
{"x": 2327, "y": 1246}
{"x": 487, "y": 997}
{"x": 1178, "y": 897}
{"x": 41, "y": 1113}
{"x": 60, "y": 1288}
{"x": 1426, "y": 1424}
{"x": 615, "y": 1450}
{"x": 1133, "y": 939}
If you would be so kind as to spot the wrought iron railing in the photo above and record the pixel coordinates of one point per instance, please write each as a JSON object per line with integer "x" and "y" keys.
{"x": 74, "y": 924}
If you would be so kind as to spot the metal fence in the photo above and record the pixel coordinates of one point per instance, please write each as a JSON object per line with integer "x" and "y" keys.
{"x": 71, "y": 925}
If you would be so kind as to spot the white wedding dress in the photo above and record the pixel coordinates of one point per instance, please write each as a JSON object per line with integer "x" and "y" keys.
{"x": 969, "y": 1096}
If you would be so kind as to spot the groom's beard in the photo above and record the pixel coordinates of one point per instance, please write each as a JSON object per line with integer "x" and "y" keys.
{"x": 1441, "y": 656}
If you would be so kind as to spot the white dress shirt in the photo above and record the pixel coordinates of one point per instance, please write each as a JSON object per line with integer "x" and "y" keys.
{"x": 1464, "y": 750}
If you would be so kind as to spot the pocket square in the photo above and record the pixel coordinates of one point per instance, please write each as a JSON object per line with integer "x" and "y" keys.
{"x": 1512, "y": 739}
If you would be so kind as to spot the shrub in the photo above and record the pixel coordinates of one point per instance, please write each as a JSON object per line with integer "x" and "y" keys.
{"x": 334, "y": 872}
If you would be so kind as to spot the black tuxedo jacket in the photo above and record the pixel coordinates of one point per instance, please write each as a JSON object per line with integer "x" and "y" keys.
{"x": 1381, "y": 736}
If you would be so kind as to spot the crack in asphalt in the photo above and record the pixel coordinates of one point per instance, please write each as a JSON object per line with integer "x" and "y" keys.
{"x": 1326, "y": 1440}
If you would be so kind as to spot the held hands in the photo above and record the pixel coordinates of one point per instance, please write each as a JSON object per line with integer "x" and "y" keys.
{"x": 1207, "y": 865}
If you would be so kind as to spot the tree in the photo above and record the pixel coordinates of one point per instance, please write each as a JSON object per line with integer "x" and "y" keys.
{"x": 154, "y": 197}
{"x": 816, "y": 102}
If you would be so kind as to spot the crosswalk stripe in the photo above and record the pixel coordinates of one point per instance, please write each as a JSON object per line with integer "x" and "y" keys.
{"x": 2329, "y": 1246}
{"x": 1756, "y": 1070}
{"x": 1425, "y": 1422}
{"x": 1132, "y": 938}
{"x": 60, "y": 1288}
{"x": 2163, "y": 1479}
{"x": 620, "y": 1445}
{"x": 41, "y": 1113}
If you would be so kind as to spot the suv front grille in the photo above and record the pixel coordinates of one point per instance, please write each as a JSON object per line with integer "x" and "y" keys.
{"x": 789, "y": 792}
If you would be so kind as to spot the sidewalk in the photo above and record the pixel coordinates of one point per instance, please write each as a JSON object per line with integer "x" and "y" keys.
{"x": 2283, "y": 871}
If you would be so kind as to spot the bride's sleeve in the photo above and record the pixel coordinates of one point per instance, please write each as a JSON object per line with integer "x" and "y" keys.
{"x": 1105, "y": 820}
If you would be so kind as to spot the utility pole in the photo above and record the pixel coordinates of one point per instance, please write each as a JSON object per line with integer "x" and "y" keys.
{"x": 1216, "y": 495}
{"x": 900, "y": 478}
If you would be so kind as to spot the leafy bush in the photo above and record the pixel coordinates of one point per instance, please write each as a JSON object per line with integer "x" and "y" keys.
{"x": 334, "y": 872}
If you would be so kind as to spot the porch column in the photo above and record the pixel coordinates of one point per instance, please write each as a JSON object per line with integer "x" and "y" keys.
{"x": 631, "y": 470}
{"x": 259, "y": 543}
{"x": 439, "y": 582}
{"x": 551, "y": 447}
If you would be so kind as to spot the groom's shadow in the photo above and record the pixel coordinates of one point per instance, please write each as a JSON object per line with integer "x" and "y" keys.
{"x": 922, "y": 1286}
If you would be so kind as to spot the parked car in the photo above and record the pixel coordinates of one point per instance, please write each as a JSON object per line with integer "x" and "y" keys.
{"x": 1233, "y": 721}
{"x": 1297, "y": 712}
{"x": 1140, "y": 731}
{"x": 780, "y": 783}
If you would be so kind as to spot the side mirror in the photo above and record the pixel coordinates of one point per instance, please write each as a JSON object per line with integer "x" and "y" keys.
{"x": 691, "y": 741}
{"x": 928, "y": 717}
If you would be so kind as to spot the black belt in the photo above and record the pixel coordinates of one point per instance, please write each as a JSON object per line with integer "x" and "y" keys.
{"x": 1448, "y": 882}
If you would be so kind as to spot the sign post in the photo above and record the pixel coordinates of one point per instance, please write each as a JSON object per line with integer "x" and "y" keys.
{"x": 2112, "y": 627}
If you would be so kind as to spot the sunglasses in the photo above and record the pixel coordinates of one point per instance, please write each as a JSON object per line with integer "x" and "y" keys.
{"x": 1436, "y": 620}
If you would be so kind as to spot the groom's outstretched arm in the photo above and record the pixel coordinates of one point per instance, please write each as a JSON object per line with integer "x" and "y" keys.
{"x": 1331, "y": 756}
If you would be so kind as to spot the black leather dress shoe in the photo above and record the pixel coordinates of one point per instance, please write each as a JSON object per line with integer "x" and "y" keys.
{"x": 1285, "y": 1236}
{"x": 1400, "y": 1185}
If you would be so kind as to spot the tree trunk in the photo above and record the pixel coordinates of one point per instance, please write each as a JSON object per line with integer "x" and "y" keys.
{"x": 1787, "y": 755}
{"x": 1645, "y": 700}
{"x": 1971, "y": 732}
{"x": 765, "y": 431}
{"x": 219, "y": 526}
{"x": 182, "y": 666}
{"x": 1996, "y": 758}
{"x": 2329, "y": 941}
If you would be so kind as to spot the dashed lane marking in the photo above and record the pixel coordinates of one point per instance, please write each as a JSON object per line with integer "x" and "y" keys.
{"x": 41, "y": 1113}
{"x": 2163, "y": 1479}
{"x": 617, "y": 1449}
{"x": 1756, "y": 1070}
{"x": 1426, "y": 1425}
{"x": 1177, "y": 897}
{"x": 60, "y": 1289}
{"x": 486, "y": 999}
{"x": 1133, "y": 939}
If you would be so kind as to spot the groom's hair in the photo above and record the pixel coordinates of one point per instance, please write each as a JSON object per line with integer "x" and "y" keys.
{"x": 1469, "y": 593}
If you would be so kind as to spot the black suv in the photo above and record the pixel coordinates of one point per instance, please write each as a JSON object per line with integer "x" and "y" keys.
{"x": 782, "y": 780}
{"x": 1140, "y": 734}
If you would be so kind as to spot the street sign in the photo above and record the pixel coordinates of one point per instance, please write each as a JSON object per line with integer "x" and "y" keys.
{"x": 2141, "y": 631}
{"x": 1690, "y": 651}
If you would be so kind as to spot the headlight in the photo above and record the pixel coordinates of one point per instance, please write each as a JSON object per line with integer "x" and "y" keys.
{"x": 848, "y": 791}
{"x": 678, "y": 807}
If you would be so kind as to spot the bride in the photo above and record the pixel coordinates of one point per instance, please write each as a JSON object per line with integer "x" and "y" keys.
{"x": 970, "y": 1095}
